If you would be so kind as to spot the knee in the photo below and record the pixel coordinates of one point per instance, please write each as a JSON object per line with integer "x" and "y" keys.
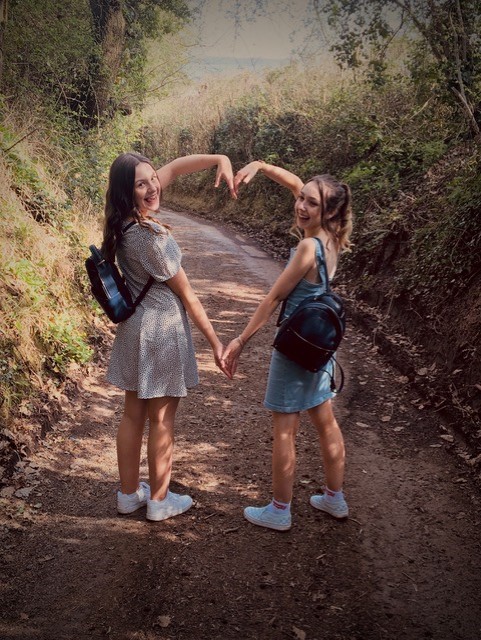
{"x": 133, "y": 420}
{"x": 327, "y": 425}
{"x": 161, "y": 425}
{"x": 336, "y": 450}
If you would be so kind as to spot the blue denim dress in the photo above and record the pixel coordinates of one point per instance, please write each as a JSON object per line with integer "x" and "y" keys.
{"x": 290, "y": 388}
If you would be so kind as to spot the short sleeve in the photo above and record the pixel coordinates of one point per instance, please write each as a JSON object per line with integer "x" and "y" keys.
{"x": 160, "y": 255}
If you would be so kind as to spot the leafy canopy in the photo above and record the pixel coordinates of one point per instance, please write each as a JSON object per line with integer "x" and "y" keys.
{"x": 447, "y": 31}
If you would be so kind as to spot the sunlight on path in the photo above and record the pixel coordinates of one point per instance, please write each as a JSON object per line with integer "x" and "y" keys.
{"x": 406, "y": 565}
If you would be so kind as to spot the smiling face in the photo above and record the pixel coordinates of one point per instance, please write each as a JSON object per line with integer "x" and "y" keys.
{"x": 146, "y": 188}
{"x": 308, "y": 209}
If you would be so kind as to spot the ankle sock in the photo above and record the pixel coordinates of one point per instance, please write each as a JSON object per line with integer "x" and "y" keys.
{"x": 276, "y": 506}
{"x": 333, "y": 496}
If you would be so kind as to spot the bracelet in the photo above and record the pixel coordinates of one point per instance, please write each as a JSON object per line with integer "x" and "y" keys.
{"x": 241, "y": 342}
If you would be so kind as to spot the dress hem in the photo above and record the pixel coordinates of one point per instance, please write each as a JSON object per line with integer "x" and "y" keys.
{"x": 309, "y": 405}
{"x": 149, "y": 396}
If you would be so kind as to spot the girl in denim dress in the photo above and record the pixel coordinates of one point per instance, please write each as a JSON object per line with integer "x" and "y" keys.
{"x": 322, "y": 210}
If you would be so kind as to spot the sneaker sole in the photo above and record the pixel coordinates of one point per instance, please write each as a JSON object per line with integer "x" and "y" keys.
{"x": 266, "y": 525}
{"x": 333, "y": 515}
{"x": 125, "y": 512}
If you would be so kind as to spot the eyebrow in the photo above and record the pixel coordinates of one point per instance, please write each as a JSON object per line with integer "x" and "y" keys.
{"x": 312, "y": 198}
{"x": 145, "y": 178}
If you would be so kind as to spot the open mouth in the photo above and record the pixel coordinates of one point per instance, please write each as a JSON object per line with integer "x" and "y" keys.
{"x": 151, "y": 200}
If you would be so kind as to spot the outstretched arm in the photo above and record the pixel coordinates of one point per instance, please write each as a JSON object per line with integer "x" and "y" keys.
{"x": 285, "y": 283}
{"x": 198, "y": 162}
{"x": 180, "y": 285}
{"x": 279, "y": 175}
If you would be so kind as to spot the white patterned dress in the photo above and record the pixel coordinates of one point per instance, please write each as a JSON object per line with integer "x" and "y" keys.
{"x": 153, "y": 352}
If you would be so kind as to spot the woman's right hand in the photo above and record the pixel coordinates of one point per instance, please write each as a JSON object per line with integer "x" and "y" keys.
{"x": 219, "y": 351}
{"x": 230, "y": 357}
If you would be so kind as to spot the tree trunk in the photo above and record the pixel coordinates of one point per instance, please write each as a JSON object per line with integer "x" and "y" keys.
{"x": 110, "y": 34}
{"x": 3, "y": 22}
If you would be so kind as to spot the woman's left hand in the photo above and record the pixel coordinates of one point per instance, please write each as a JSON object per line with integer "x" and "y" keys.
{"x": 245, "y": 175}
{"x": 224, "y": 172}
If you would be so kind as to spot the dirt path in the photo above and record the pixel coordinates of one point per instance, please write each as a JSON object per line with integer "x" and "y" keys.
{"x": 406, "y": 565}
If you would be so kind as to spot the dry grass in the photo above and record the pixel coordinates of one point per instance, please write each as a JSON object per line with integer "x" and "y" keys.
{"x": 185, "y": 122}
{"x": 44, "y": 318}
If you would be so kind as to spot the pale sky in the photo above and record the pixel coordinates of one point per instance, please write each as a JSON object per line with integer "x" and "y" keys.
{"x": 274, "y": 35}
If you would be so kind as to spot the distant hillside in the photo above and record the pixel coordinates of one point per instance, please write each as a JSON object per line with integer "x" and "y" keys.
{"x": 215, "y": 64}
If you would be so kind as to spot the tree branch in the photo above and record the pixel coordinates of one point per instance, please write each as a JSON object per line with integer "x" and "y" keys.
{"x": 461, "y": 93}
{"x": 21, "y": 139}
{"x": 469, "y": 112}
{"x": 422, "y": 28}
{"x": 463, "y": 36}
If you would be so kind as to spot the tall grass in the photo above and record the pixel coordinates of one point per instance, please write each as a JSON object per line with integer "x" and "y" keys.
{"x": 186, "y": 121}
{"x": 45, "y": 322}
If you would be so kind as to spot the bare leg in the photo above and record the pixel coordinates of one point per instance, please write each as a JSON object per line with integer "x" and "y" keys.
{"x": 129, "y": 441}
{"x": 160, "y": 444}
{"x": 285, "y": 428}
{"x": 332, "y": 444}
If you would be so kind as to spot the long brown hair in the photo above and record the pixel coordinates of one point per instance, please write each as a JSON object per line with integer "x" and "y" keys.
{"x": 336, "y": 211}
{"x": 119, "y": 201}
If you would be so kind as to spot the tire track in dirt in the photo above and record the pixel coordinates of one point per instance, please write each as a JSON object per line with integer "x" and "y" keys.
{"x": 405, "y": 566}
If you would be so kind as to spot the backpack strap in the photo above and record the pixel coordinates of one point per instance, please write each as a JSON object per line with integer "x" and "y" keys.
{"x": 127, "y": 226}
{"x": 151, "y": 279}
{"x": 143, "y": 293}
{"x": 334, "y": 387}
{"x": 322, "y": 268}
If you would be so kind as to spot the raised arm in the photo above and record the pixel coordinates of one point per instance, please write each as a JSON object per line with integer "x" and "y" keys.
{"x": 279, "y": 175}
{"x": 198, "y": 162}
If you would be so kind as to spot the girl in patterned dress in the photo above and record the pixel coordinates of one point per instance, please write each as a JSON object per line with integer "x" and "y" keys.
{"x": 322, "y": 210}
{"x": 153, "y": 357}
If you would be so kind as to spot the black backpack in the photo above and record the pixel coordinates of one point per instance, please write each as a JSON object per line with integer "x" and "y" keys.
{"x": 109, "y": 288}
{"x": 312, "y": 333}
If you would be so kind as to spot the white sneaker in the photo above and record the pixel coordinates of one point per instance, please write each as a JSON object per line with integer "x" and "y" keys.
{"x": 264, "y": 517}
{"x": 130, "y": 502}
{"x": 172, "y": 505}
{"x": 337, "y": 510}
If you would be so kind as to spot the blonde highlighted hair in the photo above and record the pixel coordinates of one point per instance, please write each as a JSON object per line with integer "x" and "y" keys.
{"x": 336, "y": 212}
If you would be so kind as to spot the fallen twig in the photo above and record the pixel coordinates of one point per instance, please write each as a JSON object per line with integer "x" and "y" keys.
{"x": 231, "y": 530}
